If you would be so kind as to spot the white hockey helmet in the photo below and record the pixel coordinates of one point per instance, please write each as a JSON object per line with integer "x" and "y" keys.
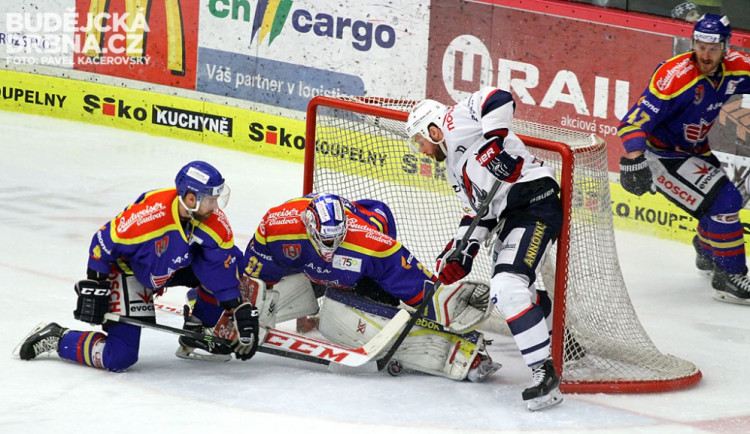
{"x": 426, "y": 113}
{"x": 326, "y": 223}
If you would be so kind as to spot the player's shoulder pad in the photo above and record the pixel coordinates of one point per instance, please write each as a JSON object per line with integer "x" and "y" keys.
{"x": 493, "y": 99}
{"x": 363, "y": 238}
{"x": 283, "y": 221}
{"x": 673, "y": 77}
{"x": 737, "y": 63}
{"x": 154, "y": 214}
{"x": 217, "y": 227}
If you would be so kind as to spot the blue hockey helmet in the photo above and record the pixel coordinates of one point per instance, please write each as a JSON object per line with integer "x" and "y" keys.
{"x": 325, "y": 220}
{"x": 203, "y": 180}
{"x": 713, "y": 28}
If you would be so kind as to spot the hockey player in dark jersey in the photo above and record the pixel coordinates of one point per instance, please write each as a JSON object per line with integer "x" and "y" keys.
{"x": 348, "y": 249}
{"x": 665, "y": 135}
{"x": 165, "y": 235}
{"x": 475, "y": 140}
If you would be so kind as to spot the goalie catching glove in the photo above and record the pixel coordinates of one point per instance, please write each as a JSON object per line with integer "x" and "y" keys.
{"x": 635, "y": 175}
{"x": 456, "y": 260}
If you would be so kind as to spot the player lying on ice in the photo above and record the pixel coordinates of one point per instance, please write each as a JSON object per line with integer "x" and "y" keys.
{"x": 348, "y": 250}
{"x": 136, "y": 255}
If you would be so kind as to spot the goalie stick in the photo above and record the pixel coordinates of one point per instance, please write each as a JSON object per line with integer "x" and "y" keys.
{"x": 429, "y": 292}
{"x": 289, "y": 345}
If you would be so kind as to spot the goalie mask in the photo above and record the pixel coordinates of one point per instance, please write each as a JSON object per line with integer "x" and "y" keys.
{"x": 325, "y": 220}
{"x": 205, "y": 182}
{"x": 424, "y": 114}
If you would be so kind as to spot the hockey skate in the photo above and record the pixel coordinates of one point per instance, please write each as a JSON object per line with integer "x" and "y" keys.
{"x": 481, "y": 368}
{"x": 731, "y": 288}
{"x": 198, "y": 349}
{"x": 45, "y": 338}
{"x": 545, "y": 391}
{"x": 703, "y": 263}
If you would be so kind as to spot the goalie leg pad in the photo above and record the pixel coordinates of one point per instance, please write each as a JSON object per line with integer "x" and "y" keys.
{"x": 350, "y": 320}
{"x": 296, "y": 298}
{"x": 291, "y": 298}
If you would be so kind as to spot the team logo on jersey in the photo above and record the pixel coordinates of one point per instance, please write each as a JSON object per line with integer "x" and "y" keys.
{"x": 347, "y": 263}
{"x": 406, "y": 263}
{"x": 159, "y": 281}
{"x": 696, "y": 133}
{"x": 700, "y": 92}
{"x": 292, "y": 251}
{"x": 161, "y": 246}
{"x": 229, "y": 261}
{"x": 96, "y": 252}
{"x": 732, "y": 86}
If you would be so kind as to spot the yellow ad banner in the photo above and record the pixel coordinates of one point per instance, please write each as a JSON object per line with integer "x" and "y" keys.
{"x": 655, "y": 215}
{"x": 153, "y": 113}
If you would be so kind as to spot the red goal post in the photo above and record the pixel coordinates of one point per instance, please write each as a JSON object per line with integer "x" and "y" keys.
{"x": 356, "y": 147}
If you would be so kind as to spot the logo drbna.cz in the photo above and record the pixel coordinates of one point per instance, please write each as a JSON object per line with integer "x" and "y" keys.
{"x": 56, "y": 34}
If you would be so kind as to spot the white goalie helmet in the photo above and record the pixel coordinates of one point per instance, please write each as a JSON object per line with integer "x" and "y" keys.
{"x": 325, "y": 220}
{"x": 426, "y": 113}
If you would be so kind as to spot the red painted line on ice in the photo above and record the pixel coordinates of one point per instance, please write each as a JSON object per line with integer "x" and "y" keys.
{"x": 35, "y": 272}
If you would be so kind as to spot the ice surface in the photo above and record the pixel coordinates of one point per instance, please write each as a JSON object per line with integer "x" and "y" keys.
{"x": 61, "y": 180}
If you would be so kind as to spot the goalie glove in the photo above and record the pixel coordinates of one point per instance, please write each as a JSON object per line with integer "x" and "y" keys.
{"x": 635, "y": 175}
{"x": 247, "y": 327}
{"x": 456, "y": 260}
{"x": 501, "y": 164}
{"x": 93, "y": 301}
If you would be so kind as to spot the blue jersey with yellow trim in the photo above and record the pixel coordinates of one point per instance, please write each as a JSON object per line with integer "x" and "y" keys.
{"x": 281, "y": 247}
{"x": 674, "y": 114}
{"x": 148, "y": 240}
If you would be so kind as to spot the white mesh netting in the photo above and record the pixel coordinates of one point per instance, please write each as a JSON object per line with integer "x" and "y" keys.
{"x": 361, "y": 153}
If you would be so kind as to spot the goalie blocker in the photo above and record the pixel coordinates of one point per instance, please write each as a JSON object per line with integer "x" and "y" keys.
{"x": 445, "y": 344}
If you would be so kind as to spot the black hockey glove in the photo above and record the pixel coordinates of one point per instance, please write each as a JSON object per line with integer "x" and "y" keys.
{"x": 501, "y": 164}
{"x": 635, "y": 175}
{"x": 246, "y": 323}
{"x": 93, "y": 301}
{"x": 457, "y": 265}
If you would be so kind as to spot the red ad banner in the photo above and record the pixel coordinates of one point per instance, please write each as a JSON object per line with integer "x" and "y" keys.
{"x": 563, "y": 72}
{"x": 148, "y": 40}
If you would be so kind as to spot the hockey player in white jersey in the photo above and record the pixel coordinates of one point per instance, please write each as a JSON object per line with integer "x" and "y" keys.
{"x": 475, "y": 141}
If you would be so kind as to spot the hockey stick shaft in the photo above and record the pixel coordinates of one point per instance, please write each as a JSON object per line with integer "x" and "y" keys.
{"x": 429, "y": 292}
{"x": 209, "y": 338}
{"x": 427, "y": 295}
{"x": 174, "y": 330}
{"x": 481, "y": 212}
{"x": 293, "y": 346}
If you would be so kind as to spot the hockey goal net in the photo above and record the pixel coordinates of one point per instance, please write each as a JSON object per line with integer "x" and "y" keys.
{"x": 356, "y": 148}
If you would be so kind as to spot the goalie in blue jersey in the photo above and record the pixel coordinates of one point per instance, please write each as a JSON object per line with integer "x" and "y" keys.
{"x": 665, "y": 135}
